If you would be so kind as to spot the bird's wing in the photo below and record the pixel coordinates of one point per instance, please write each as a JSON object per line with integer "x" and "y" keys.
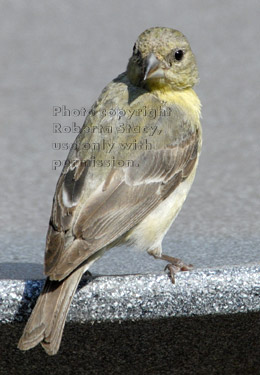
{"x": 86, "y": 218}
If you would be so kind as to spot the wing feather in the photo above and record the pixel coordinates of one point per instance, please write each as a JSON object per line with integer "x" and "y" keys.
{"x": 108, "y": 214}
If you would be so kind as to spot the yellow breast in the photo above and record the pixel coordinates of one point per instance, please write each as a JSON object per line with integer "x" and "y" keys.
{"x": 148, "y": 234}
{"x": 187, "y": 99}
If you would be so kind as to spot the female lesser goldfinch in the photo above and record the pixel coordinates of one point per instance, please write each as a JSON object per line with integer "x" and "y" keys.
{"x": 125, "y": 181}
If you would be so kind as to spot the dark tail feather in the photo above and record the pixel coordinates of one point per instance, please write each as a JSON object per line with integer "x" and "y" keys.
{"x": 47, "y": 320}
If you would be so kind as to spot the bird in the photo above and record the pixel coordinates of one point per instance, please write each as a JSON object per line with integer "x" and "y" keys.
{"x": 125, "y": 178}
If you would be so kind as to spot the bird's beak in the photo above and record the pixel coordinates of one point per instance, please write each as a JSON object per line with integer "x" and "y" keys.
{"x": 153, "y": 68}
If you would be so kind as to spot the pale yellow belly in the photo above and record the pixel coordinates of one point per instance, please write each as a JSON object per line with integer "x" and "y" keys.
{"x": 149, "y": 233}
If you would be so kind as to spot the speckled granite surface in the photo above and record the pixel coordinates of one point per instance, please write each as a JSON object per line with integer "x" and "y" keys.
{"x": 64, "y": 54}
{"x": 136, "y": 297}
{"x": 208, "y": 322}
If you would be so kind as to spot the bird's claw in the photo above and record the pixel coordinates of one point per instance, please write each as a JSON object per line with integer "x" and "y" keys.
{"x": 177, "y": 266}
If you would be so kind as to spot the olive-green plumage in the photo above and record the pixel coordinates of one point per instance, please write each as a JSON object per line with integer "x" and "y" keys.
{"x": 127, "y": 175}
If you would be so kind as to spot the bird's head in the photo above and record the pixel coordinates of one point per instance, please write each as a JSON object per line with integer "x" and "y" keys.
{"x": 162, "y": 58}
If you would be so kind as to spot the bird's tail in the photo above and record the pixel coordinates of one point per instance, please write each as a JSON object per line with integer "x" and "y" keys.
{"x": 47, "y": 320}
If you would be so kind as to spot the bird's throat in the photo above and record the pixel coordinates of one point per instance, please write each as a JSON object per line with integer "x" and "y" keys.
{"x": 187, "y": 99}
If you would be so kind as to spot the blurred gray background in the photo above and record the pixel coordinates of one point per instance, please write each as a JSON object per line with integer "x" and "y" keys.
{"x": 64, "y": 53}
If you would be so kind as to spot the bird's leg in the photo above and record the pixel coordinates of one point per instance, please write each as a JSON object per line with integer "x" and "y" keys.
{"x": 175, "y": 264}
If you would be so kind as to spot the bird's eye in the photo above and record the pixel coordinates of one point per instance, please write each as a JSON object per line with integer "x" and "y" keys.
{"x": 178, "y": 55}
{"x": 136, "y": 51}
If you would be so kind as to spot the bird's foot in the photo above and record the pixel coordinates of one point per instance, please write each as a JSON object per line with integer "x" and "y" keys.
{"x": 175, "y": 265}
